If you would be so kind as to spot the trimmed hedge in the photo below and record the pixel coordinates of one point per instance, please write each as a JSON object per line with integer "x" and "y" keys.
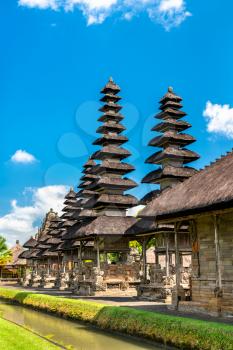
{"x": 181, "y": 332}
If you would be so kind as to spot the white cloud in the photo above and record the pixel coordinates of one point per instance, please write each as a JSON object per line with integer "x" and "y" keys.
{"x": 219, "y": 119}
{"x": 41, "y": 4}
{"x": 169, "y": 13}
{"x": 21, "y": 222}
{"x": 22, "y": 156}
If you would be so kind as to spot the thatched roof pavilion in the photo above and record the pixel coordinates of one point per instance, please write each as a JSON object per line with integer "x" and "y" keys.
{"x": 209, "y": 189}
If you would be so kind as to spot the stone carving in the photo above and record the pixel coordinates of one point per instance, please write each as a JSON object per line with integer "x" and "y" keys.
{"x": 27, "y": 279}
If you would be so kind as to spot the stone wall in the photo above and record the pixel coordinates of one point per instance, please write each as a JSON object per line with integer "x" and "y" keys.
{"x": 204, "y": 289}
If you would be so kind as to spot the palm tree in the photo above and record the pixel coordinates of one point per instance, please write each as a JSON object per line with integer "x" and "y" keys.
{"x": 5, "y": 253}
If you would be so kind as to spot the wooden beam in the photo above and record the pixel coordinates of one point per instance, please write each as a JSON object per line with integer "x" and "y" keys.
{"x": 218, "y": 258}
{"x": 144, "y": 260}
{"x": 167, "y": 255}
{"x": 97, "y": 253}
{"x": 176, "y": 229}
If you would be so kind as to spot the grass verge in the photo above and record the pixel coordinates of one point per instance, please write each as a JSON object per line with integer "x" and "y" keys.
{"x": 13, "y": 337}
{"x": 180, "y": 332}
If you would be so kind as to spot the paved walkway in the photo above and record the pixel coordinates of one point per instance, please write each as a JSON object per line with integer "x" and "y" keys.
{"x": 127, "y": 301}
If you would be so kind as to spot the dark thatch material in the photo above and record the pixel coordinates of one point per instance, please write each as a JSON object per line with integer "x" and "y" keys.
{"x": 25, "y": 254}
{"x": 110, "y": 87}
{"x": 89, "y": 163}
{"x": 170, "y": 95}
{"x": 149, "y": 197}
{"x": 110, "y": 105}
{"x": 209, "y": 189}
{"x": 148, "y": 226}
{"x": 31, "y": 243}
{"x": 110, "y": 97}
{"x": 110, "y": 152}
{"x": 107, "y": 165}
{"x": 173, "y": 153}
{"x": 112, "y": 200}
{"x": 169, "y": 172}
{"x": 171, "y": 124}
{"x": 110, "y": 115}
{"x": 171, "y": 137}
{"x": 49, "y": 254}
{"x": 34, "y": 254}
{"x": 113, "y": 139}
{"x": 102, "y": 226}
{"x": 111, "y": 127}
{"x": 113, "y": 183}
{"x": 170, "y": 104}
{"x": 170, "y": 112}
{"x": 53, "y": 240}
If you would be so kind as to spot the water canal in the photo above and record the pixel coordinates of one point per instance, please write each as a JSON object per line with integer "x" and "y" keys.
{"x": 76, "y": 335}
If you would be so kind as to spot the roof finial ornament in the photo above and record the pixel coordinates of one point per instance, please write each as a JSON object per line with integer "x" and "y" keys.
{"x": 71, "y": 188}
{"x": 111, "y": 80}
{"x": 170, "y": 89}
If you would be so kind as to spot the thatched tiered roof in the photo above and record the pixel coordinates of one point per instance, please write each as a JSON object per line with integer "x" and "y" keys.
{"x": 41, "y": 246}
{"x": 173, "y": 154}
{"x": 31, "y": 243}
{"x": 18, "y": 256}
{"x": 209, "y": 189}
{"x": 110, "y": 183}
{"x": 104, "y": 184}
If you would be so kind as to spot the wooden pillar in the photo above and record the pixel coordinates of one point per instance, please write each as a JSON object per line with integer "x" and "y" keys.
{"x": 48, "y": 267}
{"x": 176, "y": 228}
{"x": 217, "y": 252}
{"x": 144, "y": 262}
{"x": 97, "y": 253}
{"x": 72, "y": 260}
{"x": 167, "y": 255}
{"x": 80, "y": 253}
{"x": 58, "y": 262}
{"x": 63, "y": 264}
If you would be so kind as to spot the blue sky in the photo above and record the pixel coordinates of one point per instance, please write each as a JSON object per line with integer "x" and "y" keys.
{"x": 55, "y": 59}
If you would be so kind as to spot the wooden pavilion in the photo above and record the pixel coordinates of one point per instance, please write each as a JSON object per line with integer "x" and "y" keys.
{"x": 14, "y": 268}
{"x": 205, "y": 204}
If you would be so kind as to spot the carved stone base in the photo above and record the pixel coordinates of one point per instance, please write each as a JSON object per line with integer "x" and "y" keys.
{"x": 26, "y": 280}
{"x": 49, "y": 282}
{"x": 155, "y": 292}
{"x": 36, "y": 281}
{"x": 62, "y": 283}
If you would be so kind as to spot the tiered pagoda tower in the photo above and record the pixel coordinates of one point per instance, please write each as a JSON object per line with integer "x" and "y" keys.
{"x": 109, "y": 183}
{"x": 173, "y": 156}
{"x": 70, "y": 208}
{"x": 42, "y": 246}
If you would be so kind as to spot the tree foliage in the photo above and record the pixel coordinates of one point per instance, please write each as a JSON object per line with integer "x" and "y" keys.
{"x": 5, "y": 253}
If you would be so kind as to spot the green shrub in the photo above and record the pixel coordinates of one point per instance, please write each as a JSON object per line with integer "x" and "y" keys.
{"x": 180, "y": 332}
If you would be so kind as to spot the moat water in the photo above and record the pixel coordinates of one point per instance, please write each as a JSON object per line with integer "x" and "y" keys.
{"x": 76, "y": 335}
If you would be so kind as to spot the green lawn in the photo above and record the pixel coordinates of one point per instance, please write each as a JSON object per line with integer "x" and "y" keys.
{"x": 13, "y": 337}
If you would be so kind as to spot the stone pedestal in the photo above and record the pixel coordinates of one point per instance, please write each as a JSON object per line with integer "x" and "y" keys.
{"x": 62, "y": 282}
{"x": 159, "y": 287}
{"x": 48, "y": 281}
{"x": 27, "y": 279}
{"x": 92, "y": 285}
{"x": 35, "y": 280}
